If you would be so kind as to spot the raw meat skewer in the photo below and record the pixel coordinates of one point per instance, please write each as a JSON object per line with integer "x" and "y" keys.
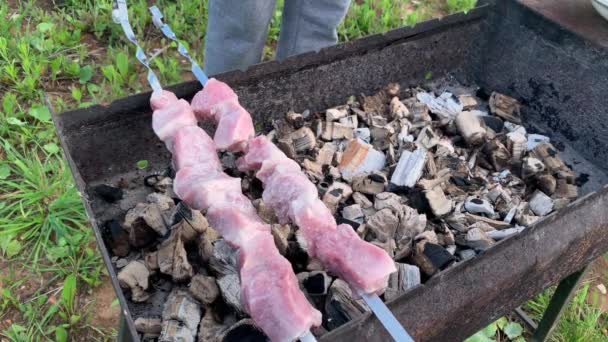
{"x": 269, "y": 289}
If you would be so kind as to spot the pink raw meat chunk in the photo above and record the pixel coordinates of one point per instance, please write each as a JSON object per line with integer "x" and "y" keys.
{"x": 192, "y": 146}
{"x": 214, "y": 93}
{"x": 200, "y": 187}
{"x": 259, "y": 149}
{"x": 236, "y": 226}
{"x": 270, "y": 292}
{"x": 234, "y": 126}
{"x": 365, "y": 267}
{"x": 167, "y": 120}
{"x": 284, "y": 189}
{"x": 161, "y": 99}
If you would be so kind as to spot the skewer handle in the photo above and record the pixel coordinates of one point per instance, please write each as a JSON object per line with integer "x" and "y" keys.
{"x": 308, "y": 337}
{"x": 385, "y": 316}
{"x": 157, "y": 19}
{"x": 120, "y": 14}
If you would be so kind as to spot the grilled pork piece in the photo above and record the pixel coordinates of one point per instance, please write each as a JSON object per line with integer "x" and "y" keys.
{"x": 269, "y": 288}
{"x": 219, "y": 103}
{"x": 294, "y": 198}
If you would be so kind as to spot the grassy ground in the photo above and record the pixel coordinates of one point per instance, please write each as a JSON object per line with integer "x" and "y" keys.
{"x": 64, "y": 54}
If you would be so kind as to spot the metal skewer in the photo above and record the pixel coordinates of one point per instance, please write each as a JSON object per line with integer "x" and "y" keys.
{"x": 121, "y": 16}
{"x": 384, "y": 315}
{"x": 157, "y": 19}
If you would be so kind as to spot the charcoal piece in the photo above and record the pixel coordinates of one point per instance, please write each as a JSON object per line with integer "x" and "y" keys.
{"x": 230, "y": 288}
{"x": 148, "y": 325}
{"x": 204, "y": 289}
{"x": 494, "y": 123}
{"x": 182, "y": 307}
{"x": 296, "y": 120}
{"x": 340, "y": 307}
{"x": 223, "y": 260}
{"x": 505, "y": 107}
{"x": 243, "y": 331}
{"x": 297, "y": 256}
{"x": 116, "y": 238}
{"x": 281, "y": 235}
{"x": 175, "y": 331}
{"x": 431, "y": 257}
{"x": 212, "y": 326}
{"x": 478, "y": 240}
{"x": 108, "y": 193}
{"x": 317, "y": 283}
{"x": 135, "y": 276}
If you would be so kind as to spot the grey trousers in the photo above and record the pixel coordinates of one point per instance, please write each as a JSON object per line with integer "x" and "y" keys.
{"x": 236, "y": 30}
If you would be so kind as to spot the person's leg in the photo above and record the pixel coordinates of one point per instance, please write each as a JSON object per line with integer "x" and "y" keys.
{"x": 236, "y": 33}
{"x": 309, "y": 25}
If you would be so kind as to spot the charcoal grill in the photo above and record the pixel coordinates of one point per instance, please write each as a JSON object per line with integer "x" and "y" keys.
{"x": 505, "y": 46}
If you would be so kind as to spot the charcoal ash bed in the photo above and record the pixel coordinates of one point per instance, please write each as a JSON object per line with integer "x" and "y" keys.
{"x": 405, "y": 57}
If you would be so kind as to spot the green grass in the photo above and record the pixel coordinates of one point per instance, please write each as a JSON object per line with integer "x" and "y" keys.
{"x": 69, "y": 54}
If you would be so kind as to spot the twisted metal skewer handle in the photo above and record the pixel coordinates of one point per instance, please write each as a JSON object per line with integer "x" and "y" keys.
{"x": 157, "y": 19}
{"x": 120, "y": 15}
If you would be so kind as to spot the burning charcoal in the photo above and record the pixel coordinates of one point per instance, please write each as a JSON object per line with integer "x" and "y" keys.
{"x": 565, "y": 190}
{"x": 398, "y": 109}
{"x": 281, "y": 234}
{"x": 444, "y": 148}
{"x": 172, "y": 258}
{"x": 469, "y": 124}
{"x": 205, "y": 243}
{"x": 409, "y": 169}
{"x": 445, "y": 106}
{"x": 122, "y": 262}
{"x": 193, "y": 227}
{"x": 108, "y": 193}
{"x": 535, "y": 140}
{"x": 296, "y": 120}
{"x": 362, "y": 200}
{"x": 243, "y": 330}
{"x": 382, "y": 136}
{"x": 340, "y": 307}
{"x": 410, "y": 225}
{"x": 440, "y": 205}
{"x": 531, "y": 167}
{"x": 478, "y": 239}
{"x": 406, "y": 277}
{"x": 364, "y": 134}
{"x": 223, "y": 260}
{"x": 370, "y": 184}
{"x": 151, "y": 262}
{"x": 303, "y": 139}
{"x": 336, "y": 193}
{"x": 148, "y": 326}
{"x": 315, "y": 283}
{"x": 446, "y": 238}
{"x": 549, "y": 155}
{"x": 383, "y": 224}
{"x": 466, "y": 254}
{"x": 174, "y": 331}
{"x": 230, "y": 287}
{"x": 135, "y": 276}
{"x": 427, "y": 138}
{"x": 265, "y": 212}
{"x": 506, "y": 107}
{"x": 474, "y": 219}
{"x": 334, "y": 114}
{"x": 494, "y": 123}
{"x": 353, "y": 213}
{"x": 334, "y": 130}
{"x": 204, "y": 289}
{"x": 360, "y": 158}
{"x": 431, "y": 257}
{"x": 210, "y": 329}
{"x": 350, "y": 121}
{"x": 478, "y": 206}
{"x": 388, "y": 200}
{"x": 326, "y": 153}
{"x": 144, "y": 216}
{"x": 313, "y": 169}
{"x": 457, "y": 221}
{"x": 116, "y": 238}
{"x": 420, "y": 112}
{"x": 540, "y": 203}
{"x": 498, "y": 154}
{"x": 180, "y": 307}
{"x": 517, "y": 143}
{"x": 505, "y": 233}
{"x": 467, "y": 101}
{"x": 286, "y": 146}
